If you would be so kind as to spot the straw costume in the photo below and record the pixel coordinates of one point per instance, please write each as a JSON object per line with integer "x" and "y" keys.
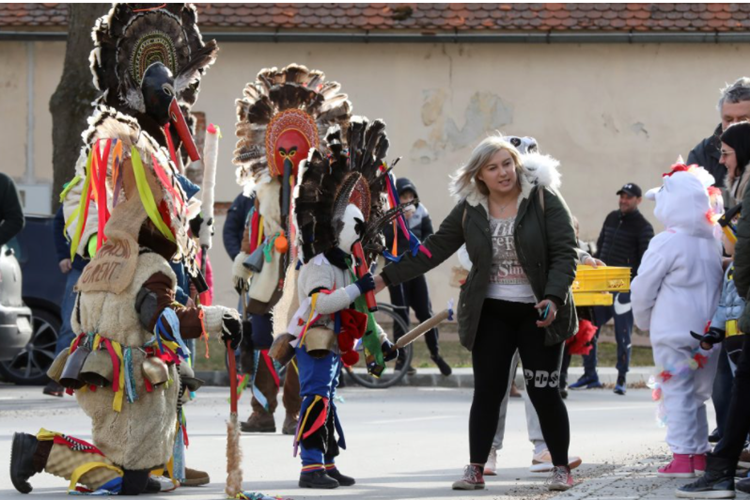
{"x": 124, "y": 365}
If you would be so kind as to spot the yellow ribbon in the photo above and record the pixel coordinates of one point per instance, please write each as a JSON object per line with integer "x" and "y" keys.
{"x": 45, "y": 435}
{"x": 81, "y": 470}
{"x": 732, "y": 329}
{"x": 307, "y": 414}
{"x": 147, "y": 197}
{"x": 70, "y": 185}
{"x": 260, "y": 232}
{"x": 72, "y": 217}
{"x": 117, "y": 403}
{"x": 310, "y": 318}
{"x": 84, "y": 201}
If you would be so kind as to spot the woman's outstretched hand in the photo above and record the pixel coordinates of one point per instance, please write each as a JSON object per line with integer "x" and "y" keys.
{"x": 379, "y": 284}
{"x": 547, "y": 312}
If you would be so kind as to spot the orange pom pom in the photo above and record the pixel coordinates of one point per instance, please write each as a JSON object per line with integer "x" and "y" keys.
{"x": 281, "y": 243}
{"x": 350, "y": 358}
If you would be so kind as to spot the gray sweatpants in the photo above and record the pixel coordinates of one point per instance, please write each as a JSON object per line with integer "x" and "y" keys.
{"x": 533, "y": 426}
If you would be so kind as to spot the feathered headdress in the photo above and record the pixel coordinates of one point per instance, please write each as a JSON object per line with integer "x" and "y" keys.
{"x": 131, "y": 37}
{"x": 352, "y": 171}
{"x": 283, "y": 114}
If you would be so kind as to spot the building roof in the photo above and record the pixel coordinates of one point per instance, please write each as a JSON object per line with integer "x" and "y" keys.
{"x": 519, "y": 17}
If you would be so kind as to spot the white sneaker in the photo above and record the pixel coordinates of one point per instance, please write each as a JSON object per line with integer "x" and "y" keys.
{"x": 490, "y": 468}
{"x": 542, "y": 462}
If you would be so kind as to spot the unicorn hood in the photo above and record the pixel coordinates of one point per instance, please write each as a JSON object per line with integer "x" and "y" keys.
{"x": 683, "y": 205}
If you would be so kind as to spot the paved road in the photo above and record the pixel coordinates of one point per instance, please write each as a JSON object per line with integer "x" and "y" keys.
{"x": 404, "y": 443}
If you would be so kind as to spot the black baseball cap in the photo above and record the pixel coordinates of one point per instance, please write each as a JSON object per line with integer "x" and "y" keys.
{"x": 631, "y": 189}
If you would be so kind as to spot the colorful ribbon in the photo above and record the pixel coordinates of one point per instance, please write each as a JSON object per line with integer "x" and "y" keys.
{"x": 147, "y": 197}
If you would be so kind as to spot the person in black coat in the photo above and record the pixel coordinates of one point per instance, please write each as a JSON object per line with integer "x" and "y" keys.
{"x": 414, "y": 294}
{"x": 234, "y": 225}
{"x": 734, "y": 107}
{"x": 622, "y": 242}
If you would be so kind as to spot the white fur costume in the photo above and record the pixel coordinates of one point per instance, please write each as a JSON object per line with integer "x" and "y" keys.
{"x": 676, "y": 292}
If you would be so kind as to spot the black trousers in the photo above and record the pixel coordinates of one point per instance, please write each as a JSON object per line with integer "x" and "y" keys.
{"x": 415, "y": 295}
{"x": 503, "y": 328}
{"x": 737, "y": 422}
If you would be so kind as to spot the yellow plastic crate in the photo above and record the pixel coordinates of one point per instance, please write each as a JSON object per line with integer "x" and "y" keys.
{"x": 592, "y": 299}
{"x": 602, "y": 279}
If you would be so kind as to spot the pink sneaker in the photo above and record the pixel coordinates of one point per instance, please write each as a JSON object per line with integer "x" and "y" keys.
{"x": 680, "y": 466}
{"x": 699, "y": 464}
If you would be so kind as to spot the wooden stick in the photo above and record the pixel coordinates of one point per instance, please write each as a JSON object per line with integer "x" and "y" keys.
{"x": 422, "y": 328}
{"x": 234, "y": 452}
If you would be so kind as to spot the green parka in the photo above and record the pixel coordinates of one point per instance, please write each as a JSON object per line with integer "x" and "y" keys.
{"x": 544, "y": 238}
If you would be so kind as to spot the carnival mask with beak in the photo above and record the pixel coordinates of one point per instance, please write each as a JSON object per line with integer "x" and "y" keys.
{"x": 160, "y": 102}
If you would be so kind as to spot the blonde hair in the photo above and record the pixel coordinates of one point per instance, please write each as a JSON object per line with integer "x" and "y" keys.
{"x": 464, "y": 180}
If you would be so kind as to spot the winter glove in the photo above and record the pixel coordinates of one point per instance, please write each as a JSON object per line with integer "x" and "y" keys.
{"x": 389, "y": 350}
{"x": 240, "y": 274}
{"x": 231, "y": 330}
{"x": 708, "y": 339}
{"x": 366, "y": 283}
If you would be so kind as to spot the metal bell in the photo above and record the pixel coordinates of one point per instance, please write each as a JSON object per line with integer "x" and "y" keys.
{"x": 98, "y": 369}
{"x": 319, "y": 341}
{"x": 72, "y": 370}
{"x": 281, "y": 350}
{"x": 255, "y": 261}
{"x": 56, "y": 368}
{"x": 155, "y": 371}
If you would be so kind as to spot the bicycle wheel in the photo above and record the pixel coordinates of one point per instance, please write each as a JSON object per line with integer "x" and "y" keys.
{"x": 387, "y": 319}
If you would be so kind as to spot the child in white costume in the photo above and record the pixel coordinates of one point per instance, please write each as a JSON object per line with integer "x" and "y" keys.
{"x": 676, "y": 291}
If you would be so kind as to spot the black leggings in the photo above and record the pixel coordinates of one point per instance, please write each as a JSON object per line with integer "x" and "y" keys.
{"x": 737, "y": 423}
{"x": 503, "y": 328}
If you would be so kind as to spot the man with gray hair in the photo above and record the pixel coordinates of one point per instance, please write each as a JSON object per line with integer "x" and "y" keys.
{"x": 734, "y": 107}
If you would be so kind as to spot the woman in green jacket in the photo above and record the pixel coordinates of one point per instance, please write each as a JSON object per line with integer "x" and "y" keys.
{"x": 520, "y": 238}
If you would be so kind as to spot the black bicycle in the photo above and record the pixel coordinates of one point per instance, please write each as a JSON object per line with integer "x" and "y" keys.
{"x": 389, "y": 320}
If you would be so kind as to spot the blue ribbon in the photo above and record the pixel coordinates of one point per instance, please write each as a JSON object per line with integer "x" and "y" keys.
{"x": 129, "y": 378}
{"x": 174, "y": 324}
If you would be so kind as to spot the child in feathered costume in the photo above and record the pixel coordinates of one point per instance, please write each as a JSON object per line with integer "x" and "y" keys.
{"x": 340, "y": 212}
{"x": 676, "y": 291}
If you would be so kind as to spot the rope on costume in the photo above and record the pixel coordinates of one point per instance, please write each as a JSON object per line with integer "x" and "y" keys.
{"x": 664, "y": 374}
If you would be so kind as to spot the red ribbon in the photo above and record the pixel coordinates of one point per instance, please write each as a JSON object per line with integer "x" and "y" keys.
{"x": 269, "y": 364}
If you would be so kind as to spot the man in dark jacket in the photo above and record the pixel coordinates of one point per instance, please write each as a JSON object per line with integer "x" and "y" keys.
{"x": 622, "y": 242}
{"x": 734, "y": 107}
{"x": 72, "y": 269}
{"x": 11, "y": 213}
{"x": 414, "y": 293}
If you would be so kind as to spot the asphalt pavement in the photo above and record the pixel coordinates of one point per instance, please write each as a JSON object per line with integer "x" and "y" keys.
{"x": 403, "y": 443}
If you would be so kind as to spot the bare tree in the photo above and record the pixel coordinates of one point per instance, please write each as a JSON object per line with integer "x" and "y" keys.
{"x": 70, "y": 105}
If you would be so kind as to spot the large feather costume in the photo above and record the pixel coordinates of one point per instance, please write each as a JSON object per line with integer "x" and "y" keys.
{"x": 282, "y": 115}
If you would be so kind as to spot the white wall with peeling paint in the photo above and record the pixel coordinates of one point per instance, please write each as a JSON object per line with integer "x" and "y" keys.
{"x": 610, "y": 113}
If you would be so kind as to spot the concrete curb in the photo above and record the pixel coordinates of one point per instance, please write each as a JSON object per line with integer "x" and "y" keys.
{"x": 463, "y": 377}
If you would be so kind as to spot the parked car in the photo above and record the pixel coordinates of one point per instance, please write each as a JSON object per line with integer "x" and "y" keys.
{"x": 15, "y": 317}
{"x": 43, "y": 289}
